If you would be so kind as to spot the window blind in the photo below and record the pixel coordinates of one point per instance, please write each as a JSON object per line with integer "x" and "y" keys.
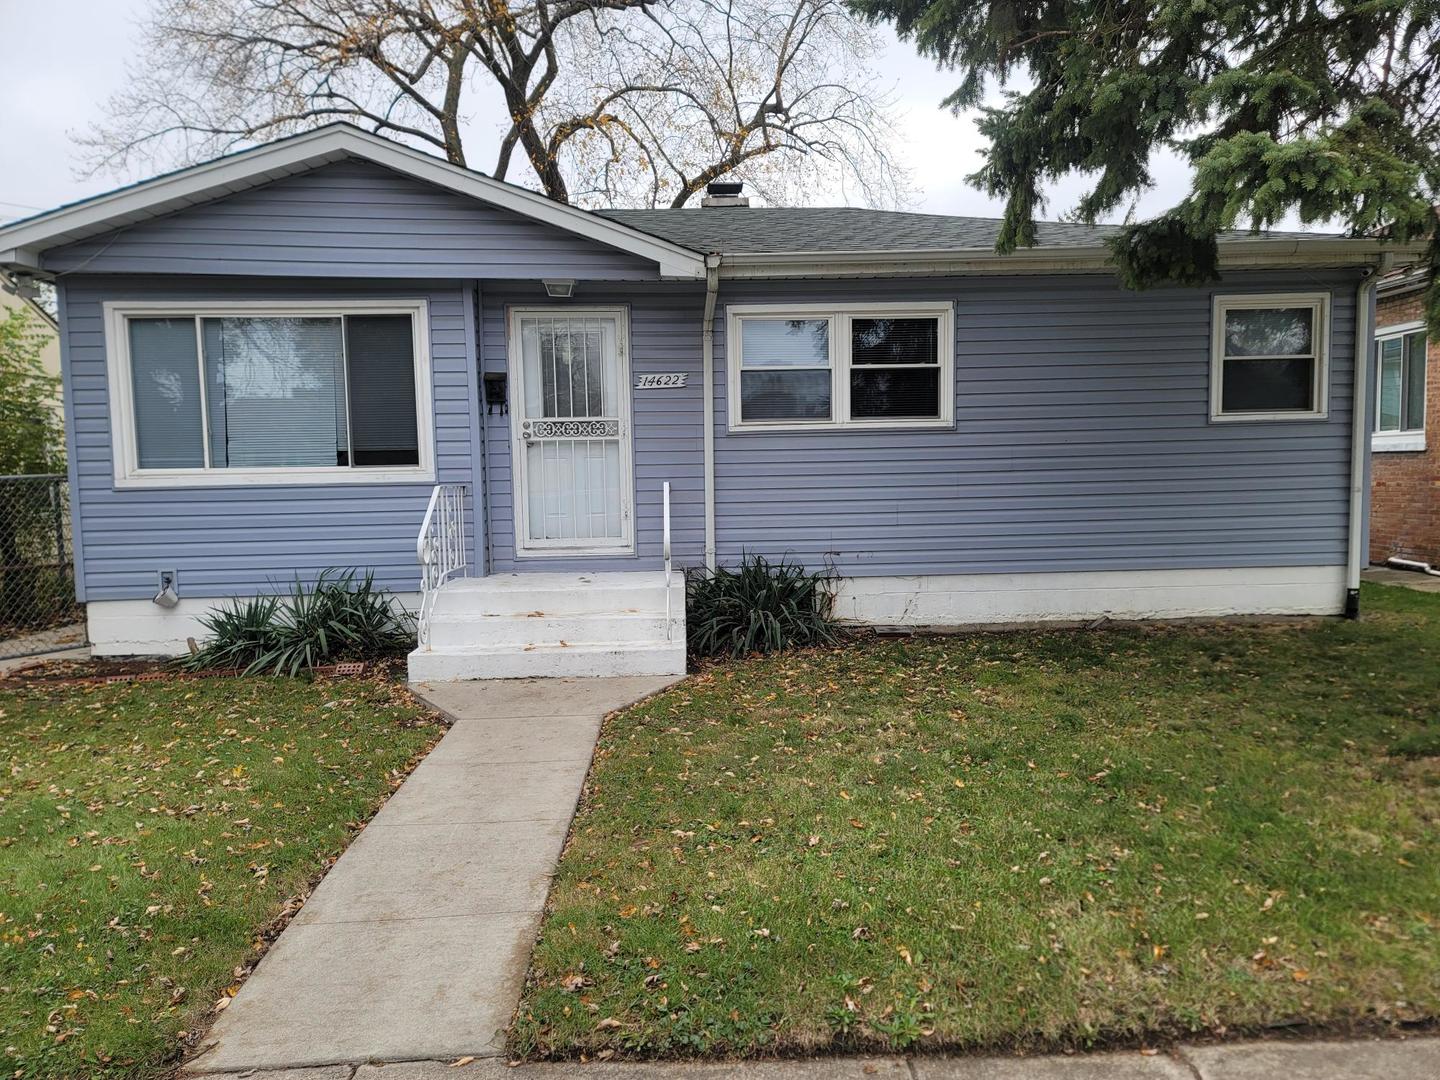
{"x": 279, "y": 381}
{"x": 165, "y": 382}
{"x": 381, "y": 354}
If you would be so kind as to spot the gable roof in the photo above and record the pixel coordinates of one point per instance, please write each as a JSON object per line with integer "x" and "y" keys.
{"x": 22, "y": 241}
{"x": 793, "y": 242}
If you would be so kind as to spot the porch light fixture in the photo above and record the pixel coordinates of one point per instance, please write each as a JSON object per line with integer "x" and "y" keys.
{"x": 559, "y": 288}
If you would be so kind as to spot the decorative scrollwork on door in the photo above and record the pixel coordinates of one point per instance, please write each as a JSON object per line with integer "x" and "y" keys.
{"x": 569, "y": 429}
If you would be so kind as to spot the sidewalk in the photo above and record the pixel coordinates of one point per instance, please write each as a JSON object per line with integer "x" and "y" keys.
{"x": 415, "y": 945}
{"x": 1406, "y": 579}
{"x": 1375, "y": 1059}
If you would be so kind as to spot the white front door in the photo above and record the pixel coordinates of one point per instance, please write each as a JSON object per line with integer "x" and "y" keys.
{"x": 570, "y": 419}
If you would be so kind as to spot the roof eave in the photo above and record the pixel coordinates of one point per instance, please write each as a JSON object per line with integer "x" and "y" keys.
{"x": 1257, "y": 254}
{"x": 22, "y": 242}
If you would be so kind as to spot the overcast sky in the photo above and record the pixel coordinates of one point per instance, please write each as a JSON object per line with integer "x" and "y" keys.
{"x": 60, "y": 59}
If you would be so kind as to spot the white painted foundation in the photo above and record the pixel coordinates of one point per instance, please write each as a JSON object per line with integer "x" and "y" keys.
{"x": 981, "y": 599}
{"x": 143, "y": 628}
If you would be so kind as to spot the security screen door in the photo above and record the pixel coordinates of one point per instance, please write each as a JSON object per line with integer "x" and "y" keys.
{"x": 571, "y": 418}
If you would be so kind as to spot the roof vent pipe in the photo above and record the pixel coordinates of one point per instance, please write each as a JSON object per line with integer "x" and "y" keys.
{"x": 724, "y": 193}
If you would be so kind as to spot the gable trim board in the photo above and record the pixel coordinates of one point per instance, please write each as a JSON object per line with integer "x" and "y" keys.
{"x": 22, "y": 242}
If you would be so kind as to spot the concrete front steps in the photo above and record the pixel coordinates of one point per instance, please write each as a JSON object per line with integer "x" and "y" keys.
{"x": 518, "y": 626}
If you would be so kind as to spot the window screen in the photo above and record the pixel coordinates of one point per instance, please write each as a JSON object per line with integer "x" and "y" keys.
{"x": 785, "y": 369}
{"x": 1270, "y": 361}
{"x": 895, "y": 368}
{"x": 165, "y": 381}
{"x": 276, "y": 392}
{"x": 381, "y": 352}
{"x": 1402, "y": 383}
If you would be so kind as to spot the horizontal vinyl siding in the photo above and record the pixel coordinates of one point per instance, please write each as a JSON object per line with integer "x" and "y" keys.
{"x": 664, "y": 337}
{"x": 245, "y": 540}
{"x": 1082, "y": 441}
{"x": 351, "y": 219}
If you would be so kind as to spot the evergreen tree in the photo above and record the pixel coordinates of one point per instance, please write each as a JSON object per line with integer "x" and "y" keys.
{"x": 1329, "y": 109}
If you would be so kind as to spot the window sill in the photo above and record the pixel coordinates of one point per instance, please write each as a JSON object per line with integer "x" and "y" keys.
{"x": 178, "y": 479}
{"x": 789, "y": 427}
{"x": 1265, "y": 418}
{"x": 1391, "y": 442}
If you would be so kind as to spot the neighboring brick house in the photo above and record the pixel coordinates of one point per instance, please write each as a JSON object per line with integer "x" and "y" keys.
{"x": 1405, "y": 484}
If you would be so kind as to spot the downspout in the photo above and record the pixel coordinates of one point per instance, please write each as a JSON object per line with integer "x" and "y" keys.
{"x": 1360, "y": 431}
{"x": 707, "y": 366}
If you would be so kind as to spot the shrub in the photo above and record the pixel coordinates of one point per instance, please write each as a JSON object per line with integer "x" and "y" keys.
{"x": 339, "y": 617}
{"x": 758, "y": 607}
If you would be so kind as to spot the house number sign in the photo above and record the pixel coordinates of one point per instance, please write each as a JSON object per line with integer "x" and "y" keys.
{"x": 667, "y": 380}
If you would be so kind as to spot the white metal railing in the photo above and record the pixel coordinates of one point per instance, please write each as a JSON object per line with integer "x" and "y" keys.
{"x": 665, "y": 551}
{"x": 440, "y": 548}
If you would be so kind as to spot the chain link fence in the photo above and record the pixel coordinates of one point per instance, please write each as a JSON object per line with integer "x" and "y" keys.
{"x": 38, "y": 612}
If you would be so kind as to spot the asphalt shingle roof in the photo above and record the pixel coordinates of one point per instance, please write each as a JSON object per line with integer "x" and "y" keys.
{"x": 736, "y": 230}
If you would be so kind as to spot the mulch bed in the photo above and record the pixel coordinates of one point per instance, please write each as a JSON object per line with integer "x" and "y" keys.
{"x": 95, "y": 672}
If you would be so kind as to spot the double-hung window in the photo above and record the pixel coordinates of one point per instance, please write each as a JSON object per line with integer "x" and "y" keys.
{"x": 1400, "y": 388}
{"x": 269, "y": 393}
{"x": 1269, "y": 357}
{"x": 851, "y": 365}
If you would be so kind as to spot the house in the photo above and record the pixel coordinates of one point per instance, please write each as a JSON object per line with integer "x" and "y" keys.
{"x": 42, "y": 319}
{"x": 1405, "y": 485}
{"x": 333, "y": 350}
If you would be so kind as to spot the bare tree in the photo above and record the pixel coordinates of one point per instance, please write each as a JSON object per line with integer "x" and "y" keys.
{"x": 614, "y": 101}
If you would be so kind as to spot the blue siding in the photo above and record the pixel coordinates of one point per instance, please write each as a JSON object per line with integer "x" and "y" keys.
{"x": 664, "y": 336}
{"x": 353, "y": 219}
{"x": 1082, "y": 441}
{"x": 241, "y": 541}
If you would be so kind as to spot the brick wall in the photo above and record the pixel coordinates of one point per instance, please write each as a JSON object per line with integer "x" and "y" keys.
{"x": 1405, "y": 485}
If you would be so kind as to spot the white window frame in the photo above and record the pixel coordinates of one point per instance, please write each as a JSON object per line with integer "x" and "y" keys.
{"x": 1319, "y": 302}
{"x": 127, "y": 471}
{"x": 1412, "y": 438}
{"x": 840, "y": 317}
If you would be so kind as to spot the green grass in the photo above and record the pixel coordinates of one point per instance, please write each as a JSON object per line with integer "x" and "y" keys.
{"x": 1034, "y": 839}
{"x": 149, "y": 832}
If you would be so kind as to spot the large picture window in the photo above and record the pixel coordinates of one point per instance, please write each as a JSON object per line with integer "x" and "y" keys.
{"x": 270, "y": 393}
{"x": 816, "y": 366}
{"x": 1400, "y": 388}
{"x": 1268, "y": 357}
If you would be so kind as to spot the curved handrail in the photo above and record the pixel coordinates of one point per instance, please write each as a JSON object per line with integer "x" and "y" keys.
{"x": 440, "y": 549}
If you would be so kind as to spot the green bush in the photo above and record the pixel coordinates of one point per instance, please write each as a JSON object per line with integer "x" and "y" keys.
{"x": 758, "y": 607}
{"x": 339, "y": 617}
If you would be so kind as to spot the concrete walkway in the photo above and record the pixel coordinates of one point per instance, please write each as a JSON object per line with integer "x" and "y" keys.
{"x": 60, "y": 643}
{"x": 1376, "y": 1059}
{"x": 1406, "y": 579}
{"x": 415, "y": 945}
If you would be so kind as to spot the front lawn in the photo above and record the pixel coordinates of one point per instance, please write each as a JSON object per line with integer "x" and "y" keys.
{"x": 1000, "y": 840}
{"x": 149, "y": 834}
